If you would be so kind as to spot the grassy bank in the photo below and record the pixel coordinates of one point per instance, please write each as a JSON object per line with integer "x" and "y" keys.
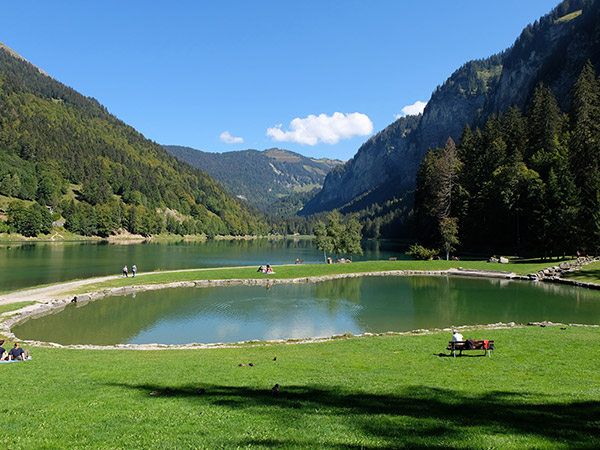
{"x": 589, "y": 273}
{"x": 310, "y": 270}
{"x": 383, "y": 392}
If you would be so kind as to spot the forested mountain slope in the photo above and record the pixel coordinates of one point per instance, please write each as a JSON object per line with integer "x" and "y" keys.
{"x": 62, "y": 149}
{"x": 520, "y": 183}
{"x": 553, "y": 50}
{"x": 262, "y": 177}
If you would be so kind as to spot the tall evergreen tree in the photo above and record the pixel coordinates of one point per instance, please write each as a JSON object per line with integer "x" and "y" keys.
{"x": 544, "y": 129}
{"x": 585, "y": 152}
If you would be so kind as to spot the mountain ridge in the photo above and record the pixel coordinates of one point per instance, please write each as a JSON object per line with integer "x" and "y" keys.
{"x": 261, "y": 177}
{"x": 54, "y": 140}
{"x": 390, "y": 159}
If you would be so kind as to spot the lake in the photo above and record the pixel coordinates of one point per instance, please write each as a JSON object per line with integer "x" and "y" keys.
{"x": 30, "y": 264}
{"x": 284, "y": 311}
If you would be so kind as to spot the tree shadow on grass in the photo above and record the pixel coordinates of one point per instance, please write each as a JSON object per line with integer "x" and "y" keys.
{"x": 414, "y": 417}
{"x": 584, "y": 275}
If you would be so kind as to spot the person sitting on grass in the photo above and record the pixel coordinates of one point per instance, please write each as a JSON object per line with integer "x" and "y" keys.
{"x": 17, "y": 353}
{"x": 3, "y": 352}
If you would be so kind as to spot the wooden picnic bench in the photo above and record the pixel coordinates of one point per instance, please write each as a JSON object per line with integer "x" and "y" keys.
{"x": 485, "y": 344}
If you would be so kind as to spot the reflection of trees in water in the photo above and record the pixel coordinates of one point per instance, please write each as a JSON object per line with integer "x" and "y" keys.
{"x": 343, "y": 289}
{"x": 108, "y": 321}
{"x": 339, "y": 292}
{"x": 257, "y": 243}
{"x": 375, "y": 304}
{"x": 436, "y": 297}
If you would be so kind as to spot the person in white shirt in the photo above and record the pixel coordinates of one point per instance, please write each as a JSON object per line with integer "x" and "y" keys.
{"x": 456, "y": 336}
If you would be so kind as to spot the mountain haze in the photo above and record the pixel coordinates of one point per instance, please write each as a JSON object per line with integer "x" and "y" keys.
{"x": 553, "y": 50}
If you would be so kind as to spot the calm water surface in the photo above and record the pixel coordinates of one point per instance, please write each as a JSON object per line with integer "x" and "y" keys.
{"x": 32, "y": 264}
{"x": 355, "y": 305}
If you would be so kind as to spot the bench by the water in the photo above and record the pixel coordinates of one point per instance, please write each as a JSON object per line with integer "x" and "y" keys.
{"x": 486, "y": 345}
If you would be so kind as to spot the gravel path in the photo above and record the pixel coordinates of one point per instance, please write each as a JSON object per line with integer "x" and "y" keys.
{"x": 56, "y": 291}
{"x": 60, "y": 291}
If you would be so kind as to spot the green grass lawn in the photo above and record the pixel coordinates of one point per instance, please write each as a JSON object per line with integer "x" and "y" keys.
{"x": 540, "y": 389}
{"x": 14, "y": 306}
{"x": 311, "y": 270}
{"x": 589, "y": 273}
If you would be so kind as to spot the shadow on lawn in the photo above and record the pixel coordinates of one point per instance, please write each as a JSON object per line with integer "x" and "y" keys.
{"x": 415, "y": 417}
{"x": 584, "y": 275}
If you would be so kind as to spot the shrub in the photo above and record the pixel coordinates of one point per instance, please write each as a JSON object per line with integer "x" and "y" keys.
{"x": 419, "y": 252}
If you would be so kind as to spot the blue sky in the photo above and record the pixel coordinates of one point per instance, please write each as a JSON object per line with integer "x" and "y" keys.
{"x": 315, "y": 77}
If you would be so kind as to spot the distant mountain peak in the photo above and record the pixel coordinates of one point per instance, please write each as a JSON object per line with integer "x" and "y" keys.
{"x": 264, "y": 177}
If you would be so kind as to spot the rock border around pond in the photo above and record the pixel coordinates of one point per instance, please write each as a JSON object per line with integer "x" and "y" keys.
{"x": 43, "y": 307}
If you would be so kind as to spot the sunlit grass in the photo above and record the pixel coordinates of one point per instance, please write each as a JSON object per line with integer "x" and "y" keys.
{"x": 13, "y": 306}
{"x": 309, "y": 271}
{"x": 384, "y": 392}
{"x": 589, "y": 273}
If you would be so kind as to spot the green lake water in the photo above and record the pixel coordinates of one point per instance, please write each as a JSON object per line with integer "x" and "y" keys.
{"x": 31, "y": 264}
{"x": 354, "y": 305}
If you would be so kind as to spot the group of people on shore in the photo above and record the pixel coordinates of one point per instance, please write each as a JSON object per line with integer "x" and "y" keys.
{"x": 15, "y": 354}
{"x": 265, "y": 269}
{"x": 133, "y": 270}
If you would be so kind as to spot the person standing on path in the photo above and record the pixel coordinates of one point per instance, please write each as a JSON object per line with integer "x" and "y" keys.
{"x": 134, "y": 270}
{"x": 125, "y": 271}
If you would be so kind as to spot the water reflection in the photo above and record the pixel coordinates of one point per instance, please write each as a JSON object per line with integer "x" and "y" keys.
{"x": 355, "y": 305}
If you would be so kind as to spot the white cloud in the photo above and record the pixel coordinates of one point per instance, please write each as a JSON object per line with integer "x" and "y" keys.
{"x": 323, "y": 128}
{"x": 229, "y": 139}
{"x": 412, "y": 110}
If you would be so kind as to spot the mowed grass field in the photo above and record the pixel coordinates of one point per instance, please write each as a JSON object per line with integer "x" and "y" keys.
{"x": 310, "y": 270}
{"x": 539, "y": 390}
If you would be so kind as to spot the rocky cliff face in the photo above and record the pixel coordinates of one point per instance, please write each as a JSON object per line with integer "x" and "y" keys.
{"x": 552, "y": 50}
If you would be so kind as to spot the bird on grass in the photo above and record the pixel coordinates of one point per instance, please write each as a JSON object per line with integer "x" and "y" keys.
{"x": 275, "y": 390}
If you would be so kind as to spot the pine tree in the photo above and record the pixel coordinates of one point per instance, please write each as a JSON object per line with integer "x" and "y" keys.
{"x": 544, "y": 129}
{"x": 585, "y": 150}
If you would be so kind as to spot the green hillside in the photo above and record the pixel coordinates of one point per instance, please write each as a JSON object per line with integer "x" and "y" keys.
{"x": 52, "y": 137}
{"x": 263, "y": 178}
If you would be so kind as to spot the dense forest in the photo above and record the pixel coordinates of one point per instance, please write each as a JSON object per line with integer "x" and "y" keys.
{"x": 380, "y": 180}
{"x": 62, "y": 150}
{"x": 520, "y": 182}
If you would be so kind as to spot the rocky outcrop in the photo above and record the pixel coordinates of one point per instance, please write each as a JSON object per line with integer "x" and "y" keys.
{"x": 552, "y": 50}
